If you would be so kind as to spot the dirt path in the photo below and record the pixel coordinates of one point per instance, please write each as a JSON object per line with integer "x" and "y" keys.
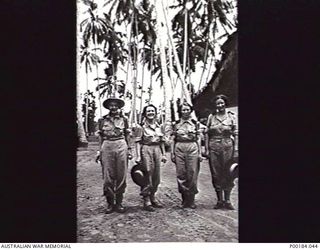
{"x": 169, "y": 224}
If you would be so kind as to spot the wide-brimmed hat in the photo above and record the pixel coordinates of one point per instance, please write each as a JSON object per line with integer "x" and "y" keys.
{"x": 107, "y": 102}
{"x": 139, "y": 175}
{"x": 234, "y": 170}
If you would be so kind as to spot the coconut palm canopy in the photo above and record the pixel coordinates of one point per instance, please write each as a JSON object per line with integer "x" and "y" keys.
{"x": 150, "y": 51}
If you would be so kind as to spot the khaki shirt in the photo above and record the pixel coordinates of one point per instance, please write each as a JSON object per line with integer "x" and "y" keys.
{"x": 222, "y": 126}
{"x": 150, "y": 134}
{"x": 186, "y": 130}
{"x": 113, "y": 127}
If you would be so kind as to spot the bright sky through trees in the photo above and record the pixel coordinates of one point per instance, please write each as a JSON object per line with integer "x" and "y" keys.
{"x": 157, "y": 93}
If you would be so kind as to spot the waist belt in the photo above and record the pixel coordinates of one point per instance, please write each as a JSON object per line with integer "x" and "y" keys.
{"x": 151, "y": 143}
{"x": 219, "y": 137}
{"x": 112, "y": 138}
{"x": 186, "y": 140}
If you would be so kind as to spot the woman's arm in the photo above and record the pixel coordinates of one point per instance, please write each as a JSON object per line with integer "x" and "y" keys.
{"x": 138, "y": 152}
{"x": 206, "y": 137}
{"x": 138, "y": 138}
{"x": 163, "y": 151}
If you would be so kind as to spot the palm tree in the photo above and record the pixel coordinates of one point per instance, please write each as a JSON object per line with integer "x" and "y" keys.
{"x": 95, "y": 29}
{"x": 201, "y": 19}
{"x": 138, "y": 17}
{"x": 164, "y": 71}
{"x": 194, "y": 27}
{"x": 88, "y": 58}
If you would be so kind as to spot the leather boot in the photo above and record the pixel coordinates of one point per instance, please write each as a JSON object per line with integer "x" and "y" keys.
{"x": 219, "y": 204}
{"x": 227, "y": 203}
{"x": 110, "y": 207}
{"x": 191, "y": 201}
{"x": 154, "y": 202}
{"x": 119, "y": 208}
{"x": 147, "y": 204}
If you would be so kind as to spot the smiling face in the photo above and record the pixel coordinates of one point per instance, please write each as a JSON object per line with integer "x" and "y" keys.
{"x": 113, "y": 107}
{"x": 185, "y": 111}
{"x": 150, "y": 113}
{"x": 220, "y": 105}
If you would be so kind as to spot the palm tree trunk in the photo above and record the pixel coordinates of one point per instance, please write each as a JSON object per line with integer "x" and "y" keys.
{"x": 175, "y": 53}
{"x": 171, "y": 71}
{"x": 173, "y": 85}
{"x": 87, "y": 105}
{"x": 81, "y": 133}
{"x": 213, "y": 55}
{"x": 188, "y": 80}
{"x": 142, "y": 84}
{"x": 135, "y": 69}
{"x": 185, "y": 50}
{"x": 128, "y": 62}
{"x": 134, "y": 97}
{"x": 204, "y": 62}
{"x": 99, "y": 98}
{"x": 210, "y": 66}
{"x": 151, "y": 66}
{"x": 164, "y": 72}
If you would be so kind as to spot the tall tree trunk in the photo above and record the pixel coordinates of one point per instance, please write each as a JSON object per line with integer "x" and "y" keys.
{"x": 135, "y": 77}
{"x": 99, "y": 98}
{"x": 81, "y": 134}
{"x": 151, "y": 66}
{"x": 87, "y": 105}
{"x": 173, "y": 85}
{"x": 185, "y": 51}
{"x": 204, "y": 62}
{"x": 142, "y": 85}
{"x": 175, "y": 53}
{"x": 128, "y": 61}
{"x": 164, "y": 72}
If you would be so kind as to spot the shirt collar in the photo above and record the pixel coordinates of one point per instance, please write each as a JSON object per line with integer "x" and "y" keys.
{"x": 147, "y": 124}
{"x": 108, "y": 116}
{"x": 189, "y": 120}
{"x": 221, "y": 119}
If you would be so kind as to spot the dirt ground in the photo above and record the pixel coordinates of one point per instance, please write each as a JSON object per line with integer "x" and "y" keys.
{"x": 169, "y": 224}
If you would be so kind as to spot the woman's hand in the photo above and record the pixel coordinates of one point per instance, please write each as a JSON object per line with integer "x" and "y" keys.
{"x": 98, "y": 157}
{"x": 200, "y": 157}
{"x": 129, "y": 153}
{"x": 164, "y": 159}
{"x": 206, "y": 153}
{"x": 138, "y": 159}
{"x": 173, "y": 157}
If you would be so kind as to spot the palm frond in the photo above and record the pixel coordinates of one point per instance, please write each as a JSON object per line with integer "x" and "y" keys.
{"x": 107, "y": 2}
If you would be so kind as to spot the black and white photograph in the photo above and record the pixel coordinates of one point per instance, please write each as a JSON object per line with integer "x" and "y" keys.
{"x": 125, "y": 122}
{"x": 157, "y": 118}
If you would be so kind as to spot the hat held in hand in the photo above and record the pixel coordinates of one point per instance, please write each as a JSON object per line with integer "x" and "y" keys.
{"x": 139, "y": 175}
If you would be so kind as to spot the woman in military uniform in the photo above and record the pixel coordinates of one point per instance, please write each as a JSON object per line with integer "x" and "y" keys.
{"x": 114, "y": 153}
{"x": 186, "y": 154}
{"x": 150, "y": 151}
{"x": 219, "y": 143}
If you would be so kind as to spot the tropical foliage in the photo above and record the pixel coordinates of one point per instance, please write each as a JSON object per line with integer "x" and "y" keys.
{"x": 89, "y": 110}
{"x": 170, "y": 42}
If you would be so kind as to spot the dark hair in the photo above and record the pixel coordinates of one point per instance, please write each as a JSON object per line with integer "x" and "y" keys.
{"x": 223, "y": 97}
{"x": 145, "y": 109}
{"x": 184, "y": 104}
